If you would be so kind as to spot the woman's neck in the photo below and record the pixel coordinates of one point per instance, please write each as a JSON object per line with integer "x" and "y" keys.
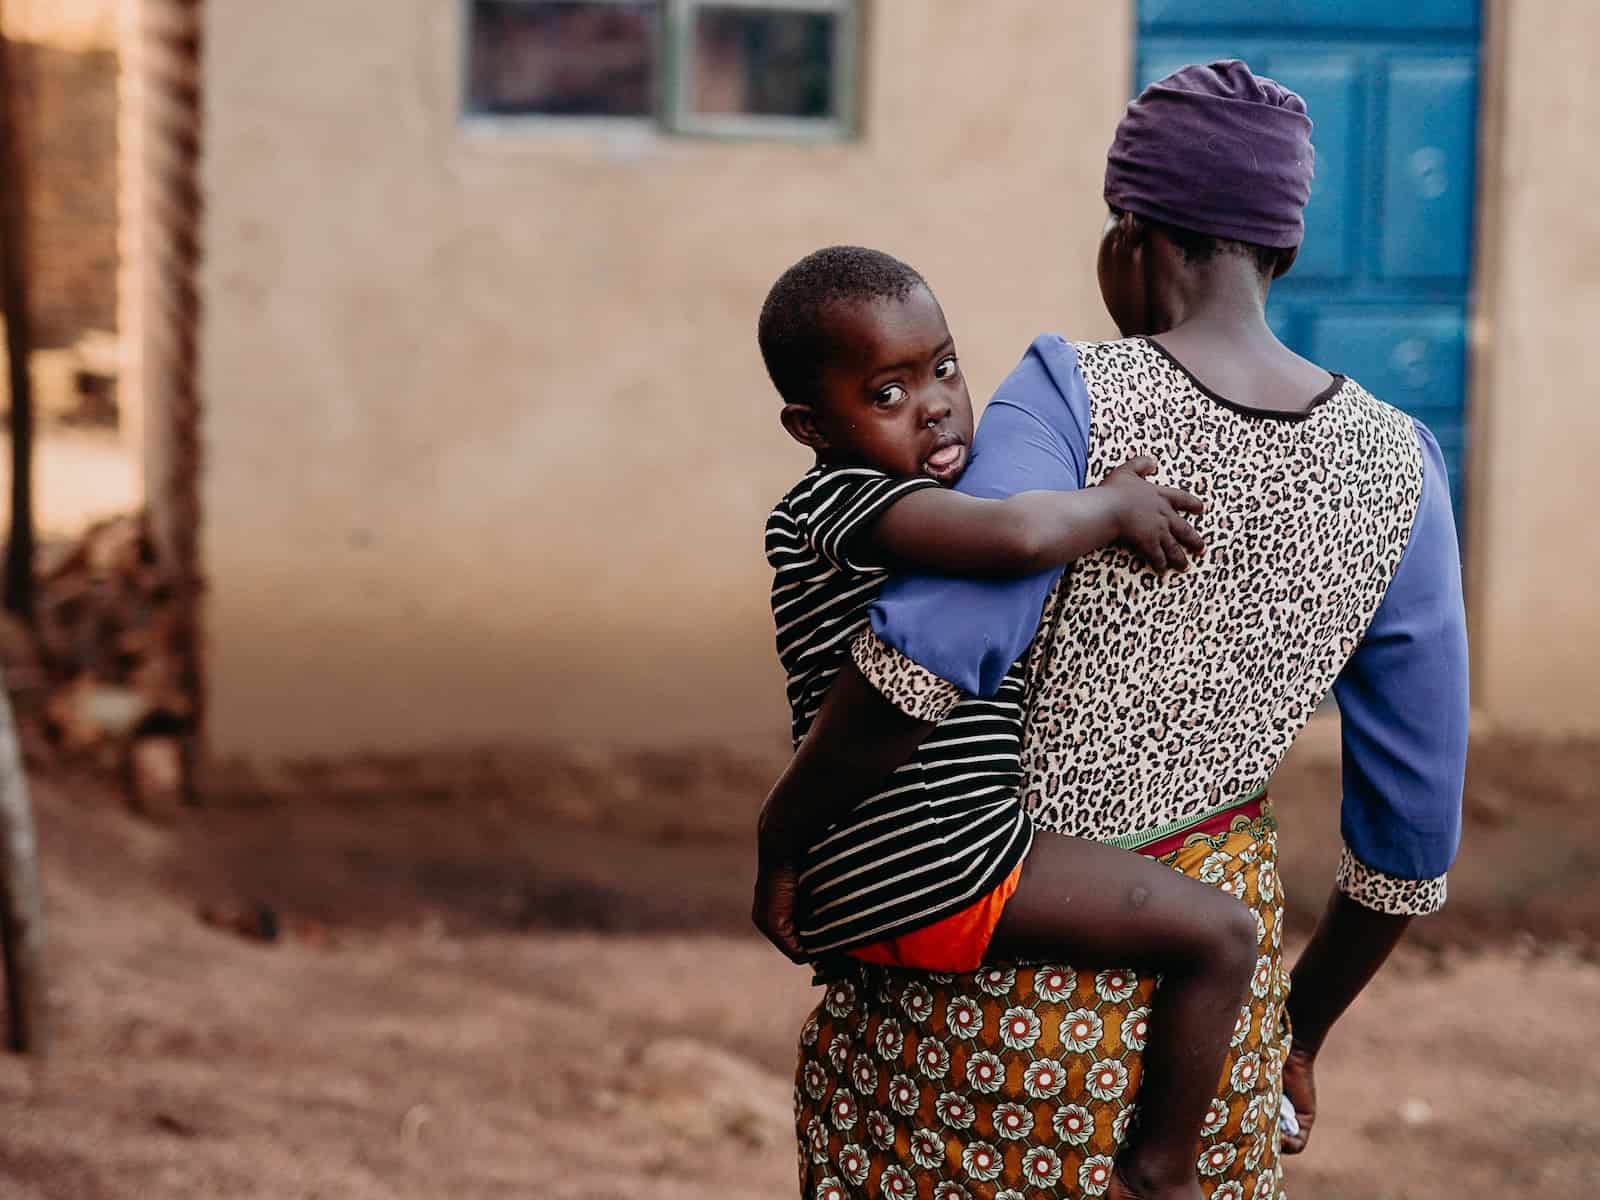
{"x": 1223, "y": 300}
{"x": 1219, "y": 332}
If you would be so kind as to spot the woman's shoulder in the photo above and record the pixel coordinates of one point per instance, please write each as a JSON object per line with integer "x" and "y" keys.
{"x": 1107, "y": 358}
{"x": 1404, "y": 432}
{"x": 1058, "y": 347}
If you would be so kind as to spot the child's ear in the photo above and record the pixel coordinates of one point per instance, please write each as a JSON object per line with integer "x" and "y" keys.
{"x": 801, "y": 422}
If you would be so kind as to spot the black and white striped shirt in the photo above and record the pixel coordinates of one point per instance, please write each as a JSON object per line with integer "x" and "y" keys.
{"x": 949, "y": 826}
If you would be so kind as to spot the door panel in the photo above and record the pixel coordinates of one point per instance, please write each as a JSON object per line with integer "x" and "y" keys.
{"x": 1381, "y": 286}
{"x": 1426, "y": 227}
{"x": 1459, "y": 16}
{"x": 1331, "y": 87}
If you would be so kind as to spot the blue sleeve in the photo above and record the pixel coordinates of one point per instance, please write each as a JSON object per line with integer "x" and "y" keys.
{"x": 1403, "y": 704}
{"x": 1034, "y": 435}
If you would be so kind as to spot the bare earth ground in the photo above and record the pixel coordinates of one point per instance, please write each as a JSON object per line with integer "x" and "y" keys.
{"x": 530, "y": 976}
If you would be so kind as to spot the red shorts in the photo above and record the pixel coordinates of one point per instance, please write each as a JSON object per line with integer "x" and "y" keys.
{"x": 957, "y": 943}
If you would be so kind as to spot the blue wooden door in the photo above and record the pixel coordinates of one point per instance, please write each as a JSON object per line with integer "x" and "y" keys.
{"x": 1380, "y": 288}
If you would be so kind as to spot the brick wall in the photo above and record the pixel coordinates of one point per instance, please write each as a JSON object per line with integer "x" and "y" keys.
{"x": 65, "y": 66}
{"x": 69, "y": 120}
{"x": 160, "y": 301}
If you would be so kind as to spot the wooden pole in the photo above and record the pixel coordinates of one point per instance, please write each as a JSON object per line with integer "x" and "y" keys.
{"x": 22, "y": 933}
{"x": 19, "y": 335}
{"x": 21, "y": 900}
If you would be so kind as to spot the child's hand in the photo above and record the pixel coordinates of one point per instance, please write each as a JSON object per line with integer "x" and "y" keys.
{"x": 773, "y": 909}
{"x": 1150, "y": 517}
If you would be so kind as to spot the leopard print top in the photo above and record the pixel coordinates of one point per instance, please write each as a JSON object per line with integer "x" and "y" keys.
{"x": 1162, "y": 696}
{"x": 1177, "y": 692}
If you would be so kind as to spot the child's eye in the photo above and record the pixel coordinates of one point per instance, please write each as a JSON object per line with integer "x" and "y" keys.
{"x": 946, "y": 368}
{"x": 892, "y": 395}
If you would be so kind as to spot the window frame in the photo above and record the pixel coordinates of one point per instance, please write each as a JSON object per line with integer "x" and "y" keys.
{"x": 671, "y": 115}
{"x": 555, "y": 122}
{"x": 677, "y": 47}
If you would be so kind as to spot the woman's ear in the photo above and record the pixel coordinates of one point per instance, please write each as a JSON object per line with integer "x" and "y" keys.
{"x": 1285, "y": 261}
{"x": 801, "y": 422}
{"x": 1132, "y": 231}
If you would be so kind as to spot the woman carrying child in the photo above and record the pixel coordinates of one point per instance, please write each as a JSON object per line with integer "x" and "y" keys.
{"x": 1157, "y": 704}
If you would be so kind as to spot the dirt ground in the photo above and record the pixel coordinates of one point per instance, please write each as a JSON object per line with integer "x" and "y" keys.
{"x": 529, "y": 975}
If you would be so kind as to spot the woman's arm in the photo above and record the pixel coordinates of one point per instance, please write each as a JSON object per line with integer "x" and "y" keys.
{"x": 1404, "y": 715}
{"x": 1350, "y": 944}
{"x": 955, "y": 534}
{"x": 857, "y": 740}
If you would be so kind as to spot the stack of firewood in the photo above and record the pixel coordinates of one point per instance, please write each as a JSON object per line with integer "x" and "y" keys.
{"x": 99, "y": 674}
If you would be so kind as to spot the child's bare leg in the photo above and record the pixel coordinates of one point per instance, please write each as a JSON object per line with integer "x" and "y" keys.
{"x": 1083, "y": 902}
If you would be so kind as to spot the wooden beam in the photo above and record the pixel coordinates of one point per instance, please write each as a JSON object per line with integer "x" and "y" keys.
{"x": 19, "y": 336}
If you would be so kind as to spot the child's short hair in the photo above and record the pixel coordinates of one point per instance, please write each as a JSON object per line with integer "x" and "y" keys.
{"x": 792, "y": 328}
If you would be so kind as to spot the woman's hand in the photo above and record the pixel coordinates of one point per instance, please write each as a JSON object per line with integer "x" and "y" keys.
{"x": 1350, "y": 943}
{"x": 857, "y": 741}
{"x": 1300, "y": 1086}
{"x": 773, "y": 909}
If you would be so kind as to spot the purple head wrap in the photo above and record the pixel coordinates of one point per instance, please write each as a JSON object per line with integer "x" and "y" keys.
{"x": 1218, "y": 150}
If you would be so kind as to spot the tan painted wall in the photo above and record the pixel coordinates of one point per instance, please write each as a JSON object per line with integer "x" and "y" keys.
{"x": 1536, "y": 546}
{"x": 65, "y": 24}
{"x": 489, "y": 446}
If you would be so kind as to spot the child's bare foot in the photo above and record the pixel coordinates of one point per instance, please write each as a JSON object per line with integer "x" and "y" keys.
{"x": 1126, "y": 1185}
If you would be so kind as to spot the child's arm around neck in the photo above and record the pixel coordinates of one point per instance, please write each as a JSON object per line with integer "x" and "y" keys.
{"x": 942, "y": 531}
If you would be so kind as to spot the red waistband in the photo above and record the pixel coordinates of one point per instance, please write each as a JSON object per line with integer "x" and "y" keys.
{"x": 1216, "y": 823}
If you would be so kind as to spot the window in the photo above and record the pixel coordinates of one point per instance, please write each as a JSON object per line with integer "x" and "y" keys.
{"x": 564, "y": 58}
{"x": 740, "y": 68}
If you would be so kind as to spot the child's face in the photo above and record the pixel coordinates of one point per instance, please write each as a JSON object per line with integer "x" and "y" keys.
{"x": 891, "y": 395}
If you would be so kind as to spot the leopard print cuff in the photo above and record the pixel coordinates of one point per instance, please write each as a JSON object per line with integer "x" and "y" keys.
{"x": 910, "y": 687}
{"x": 1389, "y": 893}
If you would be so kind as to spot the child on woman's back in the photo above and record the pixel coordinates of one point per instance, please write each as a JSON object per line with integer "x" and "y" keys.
{"x": 942, "y": 869}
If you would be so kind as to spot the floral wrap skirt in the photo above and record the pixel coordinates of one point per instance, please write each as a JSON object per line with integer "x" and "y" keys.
{"x": 1015, "y": 1082}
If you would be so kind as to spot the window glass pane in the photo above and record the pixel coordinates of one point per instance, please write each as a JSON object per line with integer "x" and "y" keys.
{"x": 582, "y": 58}
{"x": 763, "y": 62}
